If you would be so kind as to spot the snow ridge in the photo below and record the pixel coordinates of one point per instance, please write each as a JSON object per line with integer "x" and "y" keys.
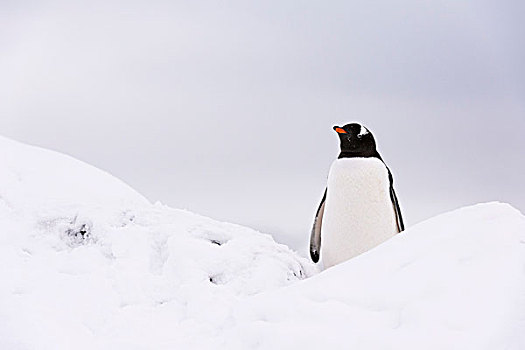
{"x": 88, "y": 263}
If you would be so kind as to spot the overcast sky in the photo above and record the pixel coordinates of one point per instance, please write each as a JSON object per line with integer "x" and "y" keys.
{"x": 226, "y": 108}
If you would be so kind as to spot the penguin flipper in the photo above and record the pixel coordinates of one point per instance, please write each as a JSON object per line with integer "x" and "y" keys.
{"x": 397, "y": 210}
{"x": 315, "y": 236}
{"x": 395, "y": 203}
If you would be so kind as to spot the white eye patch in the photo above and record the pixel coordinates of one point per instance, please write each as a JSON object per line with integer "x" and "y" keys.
{"x": 363, "y": 131}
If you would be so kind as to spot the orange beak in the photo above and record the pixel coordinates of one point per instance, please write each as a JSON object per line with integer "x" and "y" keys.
{"x": 340, "y": 131}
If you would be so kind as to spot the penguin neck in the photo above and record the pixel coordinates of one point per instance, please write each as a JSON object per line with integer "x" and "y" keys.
{"x": 346, "y": 154}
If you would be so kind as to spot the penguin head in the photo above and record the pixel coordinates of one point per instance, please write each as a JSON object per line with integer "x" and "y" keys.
{"x": 356, "y": 140}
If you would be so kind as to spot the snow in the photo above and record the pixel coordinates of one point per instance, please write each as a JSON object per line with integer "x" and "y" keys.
{"x": 456, "y": 281}
{"x": 88, "y": 263}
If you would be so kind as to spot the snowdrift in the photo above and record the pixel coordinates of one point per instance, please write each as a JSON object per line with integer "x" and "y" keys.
{"x": 88, "y": 263}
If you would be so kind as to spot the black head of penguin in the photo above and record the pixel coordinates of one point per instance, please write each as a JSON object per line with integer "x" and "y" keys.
{"x": 356, "y": 141}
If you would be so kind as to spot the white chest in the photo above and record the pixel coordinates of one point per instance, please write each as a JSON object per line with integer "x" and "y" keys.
{"x": 359, "y": 214}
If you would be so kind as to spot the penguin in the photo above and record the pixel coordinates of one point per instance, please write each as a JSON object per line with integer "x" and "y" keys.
{"x": 359, "y": 209}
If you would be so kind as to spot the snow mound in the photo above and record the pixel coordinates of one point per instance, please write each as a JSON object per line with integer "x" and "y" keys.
{"x": 86, "y": 259}
{"x": 88, "y": 263}
{"x": 35, "y": 178}
{"x": 456, "y": 281}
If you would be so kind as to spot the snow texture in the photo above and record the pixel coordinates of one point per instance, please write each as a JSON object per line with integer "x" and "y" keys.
{"x": 88, "y": 263}
{"x": 358, "y": 213}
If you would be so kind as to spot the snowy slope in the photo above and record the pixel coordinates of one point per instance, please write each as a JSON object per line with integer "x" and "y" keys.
{"x": 456, "y": 281}
{"x": 88, "y": 263}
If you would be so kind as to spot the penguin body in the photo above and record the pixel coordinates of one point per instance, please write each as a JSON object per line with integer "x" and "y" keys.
{"x": 359, "y": 209}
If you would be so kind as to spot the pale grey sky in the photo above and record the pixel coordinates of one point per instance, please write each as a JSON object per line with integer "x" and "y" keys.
{"x": 226, "y": 108}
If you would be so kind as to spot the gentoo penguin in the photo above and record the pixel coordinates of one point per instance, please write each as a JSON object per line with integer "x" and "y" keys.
{"x": 359, "y": 209}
